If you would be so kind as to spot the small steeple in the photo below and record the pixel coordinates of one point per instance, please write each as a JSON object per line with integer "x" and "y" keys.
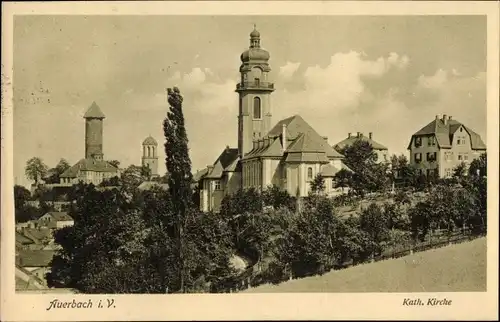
{"x": 255, "y": 38}
{"x": 94, "y": 112}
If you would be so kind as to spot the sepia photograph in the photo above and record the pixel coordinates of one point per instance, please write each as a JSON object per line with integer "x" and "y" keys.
{"x": 244, "y": 154}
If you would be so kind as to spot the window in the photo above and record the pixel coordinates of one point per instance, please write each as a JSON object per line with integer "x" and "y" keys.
{"x": 461, "y": 130}
{"x": 418, "y": 157}
{"x": 333, "y": 183}
{"x": 256, "y": 108}
{"x": 431, "y": 156}
{"x": 460, "y": 157}
{"x": 309, "y": 173}
{"x": 257, "y": 82}
{"x": 418, "y": 142}
{"x": 431, "y": 141}
{"x": 217, "y": 185}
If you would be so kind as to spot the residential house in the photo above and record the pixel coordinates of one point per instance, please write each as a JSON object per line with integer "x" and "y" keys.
{"x": 37, "y": 262}
{"x": 56, "y": 220}
{"x": 443, "y": 144}
{"x": 381, "y": 151}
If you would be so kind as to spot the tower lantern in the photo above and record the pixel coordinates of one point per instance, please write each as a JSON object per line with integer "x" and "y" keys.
{"x": 254, "y": 89}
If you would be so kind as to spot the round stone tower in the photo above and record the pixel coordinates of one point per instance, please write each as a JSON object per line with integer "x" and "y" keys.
{"x": 93, "y": 132}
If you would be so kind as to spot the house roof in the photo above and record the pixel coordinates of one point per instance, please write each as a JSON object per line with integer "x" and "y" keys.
{"x": 23, "y": 240}
{"x": 34, "y": 258}
{"x": 148, "y": 185}
{"x": 89, "y": 165}
{"x": 226, "y": 162}
{"x": 37, "y": 234}
{"x": 94, "y": 112}
{"x": 351, "y": 140}
{"x": 329, "y": 170}
{"x": 300, "y": 137}
{"x": 200, "y": 174}
{"x": 444, "y": 133}
{"x": 59, "y": 215}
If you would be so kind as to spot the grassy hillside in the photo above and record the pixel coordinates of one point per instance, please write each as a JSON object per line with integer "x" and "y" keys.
{"x": 455, "y": 268}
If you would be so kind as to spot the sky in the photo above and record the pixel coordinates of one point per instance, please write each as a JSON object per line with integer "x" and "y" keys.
{"x": 390, "y": 75}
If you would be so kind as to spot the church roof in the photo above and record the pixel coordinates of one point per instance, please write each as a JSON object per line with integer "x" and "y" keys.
{"x": 300, "y": 138}
{"x": 94, "y": 112}
{"x": 89, "y": 165}
{"x": 350, "y": 140}
{"x": 444, "y": 133}
{"x": 149, "y": 141}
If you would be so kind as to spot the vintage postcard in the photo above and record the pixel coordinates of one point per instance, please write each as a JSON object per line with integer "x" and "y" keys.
{"x": 250, "y": 160}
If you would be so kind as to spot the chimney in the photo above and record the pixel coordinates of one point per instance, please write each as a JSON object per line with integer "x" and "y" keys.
{"x": 445, "y": 119}
{"x": 349, "y": 135}
{"x": 283, "y": 137}
{"x": 358, "y": 134}
{"x": 227, "y": 148}
{"x": 325, "y": 138}
{"x": 449, "y": 118}
{"x": 437, "y": 117}
{"x": 210, "y": 168}
{"x": 370, "y": 135}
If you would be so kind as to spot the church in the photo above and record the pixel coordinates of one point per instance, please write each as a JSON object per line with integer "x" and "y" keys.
{"x": 288, "y": 154}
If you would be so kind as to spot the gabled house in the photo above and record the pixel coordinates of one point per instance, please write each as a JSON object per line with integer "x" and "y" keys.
{"x": 55, "y": 220}
{"x": 37, "y": 262}
{"x": 381, "y": 151}
{"x": 437, "y": 148}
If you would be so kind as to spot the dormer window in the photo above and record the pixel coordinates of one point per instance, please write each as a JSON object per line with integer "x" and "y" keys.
{"x": 418, "y": 142}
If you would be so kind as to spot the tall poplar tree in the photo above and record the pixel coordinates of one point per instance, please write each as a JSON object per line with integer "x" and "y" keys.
{"x": 178, "y": 166}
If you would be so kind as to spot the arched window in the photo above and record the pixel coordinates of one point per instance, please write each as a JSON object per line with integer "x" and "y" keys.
{"x": 256, "y": 108}
{"x": 149, "y": 151}
{"x": 309, "y": 173}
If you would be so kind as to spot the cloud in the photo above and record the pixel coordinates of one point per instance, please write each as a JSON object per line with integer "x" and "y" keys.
{"x": 288, "y": 70}
{"x": 435, "y": 81}
{"x": 339, "y": 86}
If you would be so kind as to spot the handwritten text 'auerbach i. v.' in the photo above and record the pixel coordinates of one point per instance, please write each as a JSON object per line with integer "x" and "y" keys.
{"x": 56, "y": 304}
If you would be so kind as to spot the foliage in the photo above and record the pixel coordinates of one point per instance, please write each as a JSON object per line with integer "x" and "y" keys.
{"x": 479, "y": 166}
{"x": 368, "y": 175}
{"x": 35, "y": 169}
{"x": 114, "y": 163}
{"x": 375, "y": 223}
{"x": 132, "y": 177}
{"x": 277, "y": 198}
{"x": 178, "y": 166}
{"x": 460, "y": 171}
{"x": 318, "y": 184}
{"x": 23, "y": 211}
{"x": 343, "y": 178}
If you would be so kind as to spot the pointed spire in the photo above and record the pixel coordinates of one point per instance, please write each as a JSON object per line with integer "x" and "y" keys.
{"x": 94, "y": 112}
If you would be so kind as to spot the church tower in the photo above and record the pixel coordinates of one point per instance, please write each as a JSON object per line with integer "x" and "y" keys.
{"x": 150, "y": 155}
{"x": 254, "y": 89}
{"x": 93, "y": 132}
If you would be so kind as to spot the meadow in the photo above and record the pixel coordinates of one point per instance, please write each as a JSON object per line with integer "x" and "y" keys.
{"x": 454, "y": 268}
